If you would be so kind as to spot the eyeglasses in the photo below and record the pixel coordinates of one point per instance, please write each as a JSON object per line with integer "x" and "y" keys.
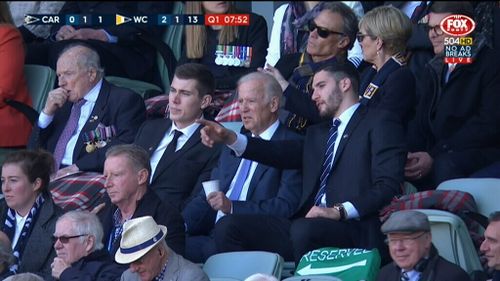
{"x": 65, "y": 239}
{"x": 360, "y": 36}
{"x": 322, "y": 32}
{"x": 405, "y": 241}
{"x": 437, "y": 29}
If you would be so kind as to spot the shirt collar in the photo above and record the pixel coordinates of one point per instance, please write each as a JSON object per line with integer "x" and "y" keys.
{"x": 93, "y": 94}
{"x": 269, "y": 132}
{"x": 347, "y": 114}
{"x": 187, "y": 131}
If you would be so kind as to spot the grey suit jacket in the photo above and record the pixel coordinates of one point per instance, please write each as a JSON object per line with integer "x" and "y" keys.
{"x": 178, "y": 269}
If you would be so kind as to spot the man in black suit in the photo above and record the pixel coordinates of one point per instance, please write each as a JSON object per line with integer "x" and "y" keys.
{"x": 107, "y": 115}
{"x": 246, "y": 187}
{"x": 352, "y": 166}
{"x": 456, "y": 130}
{"x": 414, "y": 256}
{"x": 177, "y": 171}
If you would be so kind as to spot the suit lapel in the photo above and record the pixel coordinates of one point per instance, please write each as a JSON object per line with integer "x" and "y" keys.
{"x": 98, "y": 113}
{"x": 157, "y": 135}
{"x": 170, "y": 159}
{"x": 353, "y": 123}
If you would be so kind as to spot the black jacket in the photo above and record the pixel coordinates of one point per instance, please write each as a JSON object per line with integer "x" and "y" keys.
{"x": 94, "y": 267}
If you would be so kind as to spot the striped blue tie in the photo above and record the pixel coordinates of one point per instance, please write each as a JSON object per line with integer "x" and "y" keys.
{"x": 327, "y": 164}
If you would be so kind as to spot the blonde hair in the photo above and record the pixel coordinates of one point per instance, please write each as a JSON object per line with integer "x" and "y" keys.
{"x": 196, "y": 35}
{"x": 389, "y": 24}
{"x": 5, "y": 15}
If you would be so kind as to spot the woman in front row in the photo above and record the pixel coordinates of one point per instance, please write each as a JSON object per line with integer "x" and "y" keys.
{"x": 27, "y": 213}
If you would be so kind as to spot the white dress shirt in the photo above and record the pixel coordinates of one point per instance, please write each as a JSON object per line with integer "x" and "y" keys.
{"x": 266, "y": 135}
{"x": 241, "y": 143}
{"x": 44, "y": 121}
{"x": 19, "y": 227}
{"x": 187, "y": 132}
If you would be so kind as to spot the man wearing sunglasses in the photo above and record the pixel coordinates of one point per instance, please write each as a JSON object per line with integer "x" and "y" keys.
{"x": 80, "y": 254}
{"x": 456, "y": 131}
{"x": 414, "y": 256}
{"x": 332, "y": 32}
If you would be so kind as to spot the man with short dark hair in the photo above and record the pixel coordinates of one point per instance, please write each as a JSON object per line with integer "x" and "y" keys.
{"x": 491, "y": 245}
{"x": 80, "y": 254}
{"x": 86, "y": 115}
{"x": 414, "y": 256}
{"x": 179, "y": 161}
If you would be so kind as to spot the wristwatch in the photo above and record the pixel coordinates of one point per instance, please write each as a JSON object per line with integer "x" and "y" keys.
{"x": 340, "y": 208}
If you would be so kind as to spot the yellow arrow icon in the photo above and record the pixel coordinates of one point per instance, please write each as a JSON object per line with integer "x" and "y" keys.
{"x": 122, "y": 19}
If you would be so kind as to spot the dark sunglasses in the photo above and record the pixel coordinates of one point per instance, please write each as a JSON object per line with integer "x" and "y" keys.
{"x": 437, "y": 29}
{"x": 322, "y": 32}
{"x": 65, "y": 239}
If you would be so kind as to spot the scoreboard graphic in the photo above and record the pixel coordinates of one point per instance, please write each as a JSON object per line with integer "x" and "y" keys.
{"x": 118, "y": 19}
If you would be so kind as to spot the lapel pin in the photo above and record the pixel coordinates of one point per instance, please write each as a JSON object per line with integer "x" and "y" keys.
{"x": 93, "y": 118}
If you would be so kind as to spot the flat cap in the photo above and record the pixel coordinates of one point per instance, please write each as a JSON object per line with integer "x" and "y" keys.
{"x": 406, "y": 221}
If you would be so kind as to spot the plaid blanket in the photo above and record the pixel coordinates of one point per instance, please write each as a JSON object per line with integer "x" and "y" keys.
{"x": 80, "y": 191}
{"x": 454, "y": 201}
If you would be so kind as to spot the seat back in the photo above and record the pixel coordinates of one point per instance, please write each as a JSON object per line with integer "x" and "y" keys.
{"x": 240, "y": 265}
{"x": 144, "y": 89}
{"x": 40, "y": 80}
{"x": 452, "y": 239}
{"x": 485, "y": 191}
{"x": 173, "y": 38}
{"x": 233, "y": 126}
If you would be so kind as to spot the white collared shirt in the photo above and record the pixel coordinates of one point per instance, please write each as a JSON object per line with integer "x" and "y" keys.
{"x": 20, "y": 220}
{"x": 187, "y": 132}
{"x": 413, "y": 275}
{"x": 90, "y": 99}
{"x": 241, "y": 143}
{"x": 266, "y": 135}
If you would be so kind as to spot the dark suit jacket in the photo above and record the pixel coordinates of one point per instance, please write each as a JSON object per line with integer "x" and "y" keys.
{"x": 272, "y": 191}
{"x": 178, "y": 177}
{"x": 367, "y": 169}
{"x": 149, "y": 205}
{"x": 437, "y": 269}
{"x": 463, "y": 113}
{"x": 115, "y": 106}
{"x": 39, "y": 252}
{"x": 97, "y": 266}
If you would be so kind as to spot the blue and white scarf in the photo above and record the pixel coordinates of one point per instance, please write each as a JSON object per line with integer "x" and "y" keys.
{"x": 10, "y": 229}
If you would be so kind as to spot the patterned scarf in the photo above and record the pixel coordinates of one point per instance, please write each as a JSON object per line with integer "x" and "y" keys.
{"x": 292, "y": 38}
{"x": 10, "y": 229}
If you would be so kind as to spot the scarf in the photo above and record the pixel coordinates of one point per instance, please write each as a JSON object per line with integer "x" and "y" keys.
{"x": 10, "y": 230}
{"x": 374, "y": 80}
{"x": 292, "y": 38}
{"x": 301, "y": 79}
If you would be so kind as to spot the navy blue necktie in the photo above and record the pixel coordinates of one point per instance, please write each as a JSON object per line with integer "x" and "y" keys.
{"x": 327, "y": 164}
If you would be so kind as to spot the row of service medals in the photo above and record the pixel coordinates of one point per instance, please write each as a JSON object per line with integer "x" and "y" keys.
{"x": 239, "y": 56}
{"x": 98, "y": 138}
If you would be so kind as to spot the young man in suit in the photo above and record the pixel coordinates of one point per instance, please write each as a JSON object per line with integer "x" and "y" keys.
{"x": 352, "y": 166}
{"x": 414, "y": 256}
{"x": 86, "y": 115}
{"x": 246, "y": 187}
{"x": 179, "y": 161}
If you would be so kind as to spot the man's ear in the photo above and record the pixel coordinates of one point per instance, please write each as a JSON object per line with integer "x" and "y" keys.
{"x": 274, "y": 104}
{"x": 143, "y": 176}
{"x": 345, "y": 84}
{"x": 344, "y": 42}
{"x": 205, "y": 101}
{"x": 90, "y": 242}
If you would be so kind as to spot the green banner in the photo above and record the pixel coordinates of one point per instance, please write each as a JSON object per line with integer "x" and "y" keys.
{"x": 347, "y": 264}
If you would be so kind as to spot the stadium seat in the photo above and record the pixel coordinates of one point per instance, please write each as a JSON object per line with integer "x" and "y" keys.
{"x": 452, "y": 239}
{"x": 40, "y": 81}
{"x": 144, "y": 89}
{"x": 233, "y": 126}
{"x": 240, "y": 265}
{"x": 485, "y": 191}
